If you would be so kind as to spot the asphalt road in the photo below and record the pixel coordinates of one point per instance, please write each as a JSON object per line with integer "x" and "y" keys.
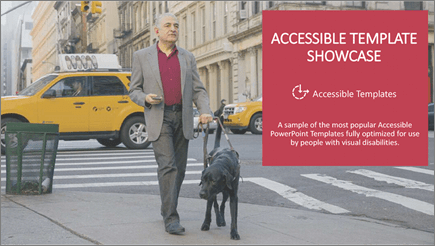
{"x": 402, "y": 197}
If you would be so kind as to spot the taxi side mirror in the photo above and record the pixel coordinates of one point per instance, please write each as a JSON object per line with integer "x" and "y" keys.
{"x": 49, "y": 94}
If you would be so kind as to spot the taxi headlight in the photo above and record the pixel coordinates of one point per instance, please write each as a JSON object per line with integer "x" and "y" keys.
{"x": 239, "y": 109}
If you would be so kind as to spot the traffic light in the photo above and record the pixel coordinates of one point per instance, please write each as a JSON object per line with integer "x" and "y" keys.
{"x": 84, "y": 6}
{"x": 96, "y": 7}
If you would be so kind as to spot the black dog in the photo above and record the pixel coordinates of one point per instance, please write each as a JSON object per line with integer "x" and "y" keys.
{"x": 222, "y": 175}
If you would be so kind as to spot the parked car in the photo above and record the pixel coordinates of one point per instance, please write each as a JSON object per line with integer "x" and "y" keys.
{"x": 102, "y": 111}
{"x": 430, "y": 115}
{"x": 211, "y": 127}
{"x": 245, "y": 116}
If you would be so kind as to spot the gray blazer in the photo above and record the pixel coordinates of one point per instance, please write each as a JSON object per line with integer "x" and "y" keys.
{"x": 145, "y": 79}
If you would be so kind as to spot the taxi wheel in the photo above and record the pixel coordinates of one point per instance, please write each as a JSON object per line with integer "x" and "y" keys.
{"x": 3, "y": 131}
{"x": 236, "y": 131}
{"x": 134, "y": 134}
{"x": 256, "y": 125}
{"x": 109, "y": 142}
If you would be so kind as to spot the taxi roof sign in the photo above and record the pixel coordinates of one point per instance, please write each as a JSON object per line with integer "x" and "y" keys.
{"x": 81, "y": 62}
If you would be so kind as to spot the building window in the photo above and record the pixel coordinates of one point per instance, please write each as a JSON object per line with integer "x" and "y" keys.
{"x": 144, "y": 14}
{"x": 243, "y": 10}
{"x": 28, "y": 25}
{"x": 413, "y": 5}
{"x": 316, "y": 2}
{"x": 256, "y": 7}
{"x": 243, "y": 5}
{"x": 194, "y": 28}
{"x": 213, "y": 14}
{"x": 154, "y": 14}
{"x": 203, "y": 24}
{"x": 270, "y": 4}
{"x": 358, "y": 4}
{"x": 185, "y": 31}
{"x": 225, "y": 17}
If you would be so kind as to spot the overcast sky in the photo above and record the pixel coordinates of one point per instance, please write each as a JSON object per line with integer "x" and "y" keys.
{"x": 6, "y": 5}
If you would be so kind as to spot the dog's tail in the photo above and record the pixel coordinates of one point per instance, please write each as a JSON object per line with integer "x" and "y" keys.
{"x": 217, "y": 140}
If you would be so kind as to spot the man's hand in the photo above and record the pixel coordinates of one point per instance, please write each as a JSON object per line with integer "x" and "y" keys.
{"x": 205, "y": 118}
{"x": 149, "y": 99}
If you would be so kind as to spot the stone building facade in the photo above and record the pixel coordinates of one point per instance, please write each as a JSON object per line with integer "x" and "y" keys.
{"x": 224, "y": 36}
{"x": 136, "y": 24}
{"x": 44, "y": 39}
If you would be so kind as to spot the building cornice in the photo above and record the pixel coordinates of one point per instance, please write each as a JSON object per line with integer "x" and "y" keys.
{"x": 246, "y": 33}
{"x": 212, "y": 54}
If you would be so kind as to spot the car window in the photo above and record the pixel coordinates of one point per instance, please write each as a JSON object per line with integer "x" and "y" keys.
{"x": 69, "y": 87}
{"x": 37, "y": 85}
{"x": 107, "y": 86}
{"x": 431, "y": 107}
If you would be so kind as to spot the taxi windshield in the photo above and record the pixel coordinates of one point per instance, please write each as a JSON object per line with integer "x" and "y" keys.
{"x": 37, "y": 85}
{"x": 258, "y": 99}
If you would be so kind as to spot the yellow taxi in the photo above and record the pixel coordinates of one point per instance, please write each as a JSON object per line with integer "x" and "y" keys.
{"x": 244, "y": 116}
{"x": 89, "y": 101}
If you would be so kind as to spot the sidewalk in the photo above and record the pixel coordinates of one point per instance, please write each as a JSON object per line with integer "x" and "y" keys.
{"x": 110, "y": 218}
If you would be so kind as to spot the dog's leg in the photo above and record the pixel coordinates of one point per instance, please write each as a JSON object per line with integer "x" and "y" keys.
{"x": 206, "y": 224}
{"x": 233, "y": 208}
{"x": 216, "y": 210}
{"x": 222, "y": 209}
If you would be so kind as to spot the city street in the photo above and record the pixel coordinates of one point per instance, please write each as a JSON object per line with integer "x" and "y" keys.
{"x": 399, "y": 195}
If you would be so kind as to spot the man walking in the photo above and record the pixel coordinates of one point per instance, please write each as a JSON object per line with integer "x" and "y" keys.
{"x": 165, "y": 81}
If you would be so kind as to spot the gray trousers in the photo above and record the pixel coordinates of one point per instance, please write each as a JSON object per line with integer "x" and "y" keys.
{"x": 170, "y": 151}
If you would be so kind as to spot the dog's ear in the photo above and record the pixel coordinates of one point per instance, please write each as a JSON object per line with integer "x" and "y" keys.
{"x": 228, "y": 179}
{"x": 202, "y": 176}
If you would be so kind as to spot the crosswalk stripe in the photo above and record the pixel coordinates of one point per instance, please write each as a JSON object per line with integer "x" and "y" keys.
{"x": 407, "y": 183}
{"x": 295, "y": 196}
{"x": 103, "y": 158}
{"x": 88, "y": 158}
{"x": 112, "y": 175}
{"x": 97, "y": 152}
{"x": 418, "y": 170}
{"x": 111, "y": 184}
{"x": 138, "y": 155}
{"x": 411, "y": 203}
{"x": 126, "y": 151}
{"x": 107, "y": 154}
{"x": 56, "y": 170}
{"x": 102, "y": 163}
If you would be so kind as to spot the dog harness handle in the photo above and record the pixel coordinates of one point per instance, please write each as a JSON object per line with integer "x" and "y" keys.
{"x": 225, "y": 133}
{"x": 205, "y": 144}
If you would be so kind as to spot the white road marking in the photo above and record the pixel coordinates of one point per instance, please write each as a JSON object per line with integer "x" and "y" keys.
{"x": 107, "y": 154}
{"x": 137, "y": 183}
{"x": 407, "y": 183}
{"x": 96, "y": 153}
{"x": 295, "y": 196}
{"x": 418, "y": 170}
{"x": 56, "y": 170}
{"x": 103, "y": 158}
{"x": 411, "y": 203}
{"x": 99, "y": 163}
{"x": 112, "y": 175}
{"x": 127, "y": 151}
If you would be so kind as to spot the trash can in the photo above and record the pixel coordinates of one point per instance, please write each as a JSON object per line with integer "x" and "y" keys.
{"x": 30, "y": 157}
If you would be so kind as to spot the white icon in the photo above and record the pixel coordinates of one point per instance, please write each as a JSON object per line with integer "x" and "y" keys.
{"x": 299, "y": 92}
